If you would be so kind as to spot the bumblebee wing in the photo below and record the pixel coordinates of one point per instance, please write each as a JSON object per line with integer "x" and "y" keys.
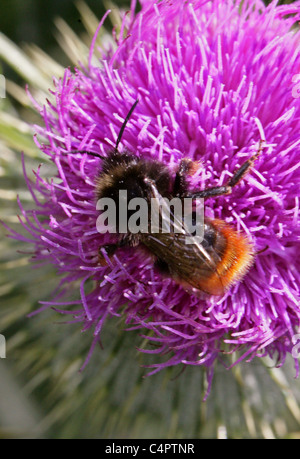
{"x": 190, "y": 262}
{"x": 177, "y": 226}
{"x": 184, "y": 262}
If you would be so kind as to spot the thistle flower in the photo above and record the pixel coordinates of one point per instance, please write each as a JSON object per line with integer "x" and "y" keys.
{"x": 212, "y": 79}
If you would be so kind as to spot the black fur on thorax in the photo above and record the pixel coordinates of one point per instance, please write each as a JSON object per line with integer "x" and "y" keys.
{"x": 125, "y": 171}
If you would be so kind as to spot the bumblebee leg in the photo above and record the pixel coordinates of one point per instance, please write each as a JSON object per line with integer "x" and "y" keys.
{"x": 162, "y": 266}
{"x": 210, "y": 192}
{"x": 180, "y": 178}
{"x": 242, "y": 171}
{"x": 186, "y": 167}
{"x": 237, "y": 177}
{"x": 262, "y": 250}
{"x": 110, "y": 249}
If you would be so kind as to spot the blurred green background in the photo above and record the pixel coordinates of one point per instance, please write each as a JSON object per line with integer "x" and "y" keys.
{"x": 33, "y": 20}
{"x": 42, "y": 392}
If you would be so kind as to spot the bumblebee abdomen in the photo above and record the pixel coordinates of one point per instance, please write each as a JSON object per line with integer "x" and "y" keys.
{"x": 221, "y": 259}
{"x": 235, "y": 258}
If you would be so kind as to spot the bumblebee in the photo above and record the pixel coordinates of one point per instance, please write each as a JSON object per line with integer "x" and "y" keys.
{"x": 224, "y": 255}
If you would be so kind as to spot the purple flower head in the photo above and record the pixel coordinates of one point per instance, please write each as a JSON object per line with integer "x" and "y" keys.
{"x": 212, "y": 79}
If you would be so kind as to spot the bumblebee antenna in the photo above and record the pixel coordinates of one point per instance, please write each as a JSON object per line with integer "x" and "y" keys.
{"x": 96, "y": 155}
{"x": 124, "y": 124}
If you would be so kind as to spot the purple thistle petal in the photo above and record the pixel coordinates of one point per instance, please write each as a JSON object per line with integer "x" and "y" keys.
{"x": 211, "y": 82}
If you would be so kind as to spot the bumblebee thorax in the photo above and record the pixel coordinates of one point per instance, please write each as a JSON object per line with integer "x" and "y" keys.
{"x": 128, "y": 172}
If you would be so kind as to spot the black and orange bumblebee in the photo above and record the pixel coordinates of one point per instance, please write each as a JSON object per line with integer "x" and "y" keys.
{"x": 224, "y": 255}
